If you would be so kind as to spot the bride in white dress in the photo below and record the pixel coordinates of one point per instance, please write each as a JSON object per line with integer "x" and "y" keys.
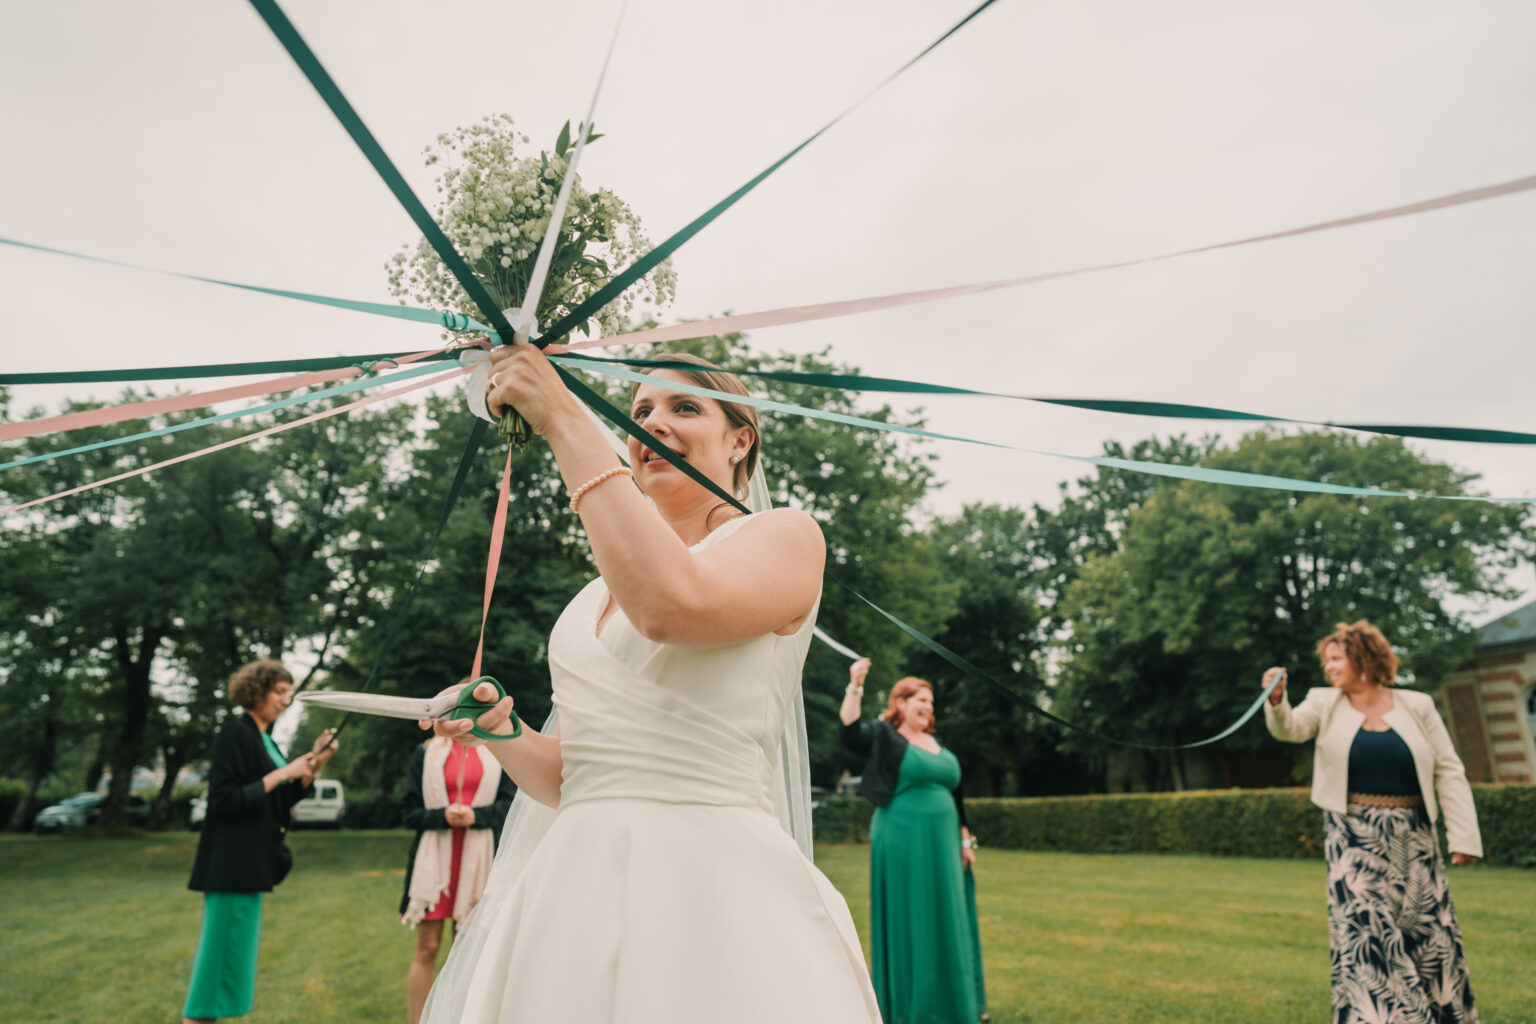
{"x": 661, "y": 887}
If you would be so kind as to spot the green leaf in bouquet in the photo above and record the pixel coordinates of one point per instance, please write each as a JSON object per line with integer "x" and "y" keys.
{"x": 564, "y": 141}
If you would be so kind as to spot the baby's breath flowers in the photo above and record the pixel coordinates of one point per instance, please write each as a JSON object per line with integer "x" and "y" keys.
{"x": 495, "y": 207}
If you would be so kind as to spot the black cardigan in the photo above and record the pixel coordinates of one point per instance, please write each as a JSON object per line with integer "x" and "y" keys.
{"x": 242, "y": 839}
{"x": 883, "y": 747}
{"x": 419, "y": 816}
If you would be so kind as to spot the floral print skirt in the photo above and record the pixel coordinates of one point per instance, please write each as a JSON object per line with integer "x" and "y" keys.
{"x": 1396, "y": 952}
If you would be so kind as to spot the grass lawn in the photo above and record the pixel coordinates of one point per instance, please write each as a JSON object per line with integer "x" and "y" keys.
{"x": 103, "y": 929}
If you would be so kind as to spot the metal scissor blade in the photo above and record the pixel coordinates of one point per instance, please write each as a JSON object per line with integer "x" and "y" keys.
{"x": 412, "y": 708}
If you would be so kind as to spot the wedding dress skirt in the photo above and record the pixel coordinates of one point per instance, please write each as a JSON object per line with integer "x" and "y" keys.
{"x": 664, "y": 888}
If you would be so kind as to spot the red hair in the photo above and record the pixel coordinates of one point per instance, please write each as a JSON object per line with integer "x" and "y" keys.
{"x": 903, "y": 689}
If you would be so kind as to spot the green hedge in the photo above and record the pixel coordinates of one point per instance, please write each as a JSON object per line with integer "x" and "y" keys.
{"x": 1230, "y": 823}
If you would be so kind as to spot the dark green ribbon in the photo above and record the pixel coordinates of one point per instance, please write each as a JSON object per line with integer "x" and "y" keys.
{"x": 1165, "y": 410}
{"x": 605, "y": 408}
{"x": 645, "y": 264}
{"x": 308, "y": 63}
{"x": 210, "y": 369}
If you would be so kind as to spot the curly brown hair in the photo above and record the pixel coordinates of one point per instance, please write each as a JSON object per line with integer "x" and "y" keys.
{"x": 1367, "y": 650}
{"x": 251, "y": 683}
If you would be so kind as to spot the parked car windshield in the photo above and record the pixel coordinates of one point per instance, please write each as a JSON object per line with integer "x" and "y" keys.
{"x": 85, "y": 799}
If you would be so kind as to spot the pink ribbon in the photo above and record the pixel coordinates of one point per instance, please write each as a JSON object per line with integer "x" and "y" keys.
{"x": 312, "y": 418}
{"x": 498, "y": 534}
{"x": 176, "y": 403}
{"x": 849, "y": 307}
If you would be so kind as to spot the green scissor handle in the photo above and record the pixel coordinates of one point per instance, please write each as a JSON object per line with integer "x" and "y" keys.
{"x": 471, "y": 708}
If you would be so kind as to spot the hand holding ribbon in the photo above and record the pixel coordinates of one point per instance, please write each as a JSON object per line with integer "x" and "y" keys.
{"x": 521, "y": 376}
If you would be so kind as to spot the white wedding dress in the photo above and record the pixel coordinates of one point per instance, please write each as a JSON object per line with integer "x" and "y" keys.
{"x": 664, "y": 888}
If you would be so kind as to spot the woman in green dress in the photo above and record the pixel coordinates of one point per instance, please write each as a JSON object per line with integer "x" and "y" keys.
{"x": 925, "y": 949}
{"x": 241, "y": 854}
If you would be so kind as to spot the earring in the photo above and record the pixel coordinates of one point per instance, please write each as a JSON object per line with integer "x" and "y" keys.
{"x": 735, "y": 459}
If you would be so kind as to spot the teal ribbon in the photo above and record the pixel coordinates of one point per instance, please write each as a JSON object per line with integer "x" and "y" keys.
{"x": 360, "y": 384}
{"x": 645, "y": 264}
{"x": 440, "y": 318}
{"x": 605, "y": 408}
{"x": 210, "y": 369}
{"x": 1167, "y": 410}
{"x": 1198, "y": 473}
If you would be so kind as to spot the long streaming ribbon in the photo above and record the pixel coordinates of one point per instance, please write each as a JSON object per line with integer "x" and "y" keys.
{"x": 493, "y": 559}
{"x": 850, "y": 307}
{"x": 437, "y": 317}
{"x": 1127, "y": 407}
{"x": 844, "y": 382}
{"x": 318, "y": 77}
{"x": 245, "y": 439}
{"x": 109, "y": 414}
{"x": 203, "y": 370}
{"x": 174, "y": 428}
{"x": 601, "y": 405}
{"x": 530, "y": 308}
{"x": 642, "y": 266}
{"x": 1196, "y": 473}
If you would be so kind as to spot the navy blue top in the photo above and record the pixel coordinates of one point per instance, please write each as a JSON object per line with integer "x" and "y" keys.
{"x": 1381, "y": 764}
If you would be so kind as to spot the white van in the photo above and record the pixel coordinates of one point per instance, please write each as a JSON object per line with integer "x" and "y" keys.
{"x": 324, "y": 808}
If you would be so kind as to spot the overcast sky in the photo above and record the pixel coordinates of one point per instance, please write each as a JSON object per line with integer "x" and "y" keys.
{"x": 1043, "y": 136}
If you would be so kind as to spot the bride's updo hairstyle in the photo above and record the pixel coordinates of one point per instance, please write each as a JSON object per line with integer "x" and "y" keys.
{"x": 708, "y": 375}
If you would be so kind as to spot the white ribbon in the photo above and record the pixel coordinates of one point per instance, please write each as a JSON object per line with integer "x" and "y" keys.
{"x": 477, "y": 385}
{"x": 478, "y": 362}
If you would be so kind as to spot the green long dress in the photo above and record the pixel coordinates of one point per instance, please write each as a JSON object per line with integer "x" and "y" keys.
{"x": 224, "y": 968}
{"x": 925, "y": 950}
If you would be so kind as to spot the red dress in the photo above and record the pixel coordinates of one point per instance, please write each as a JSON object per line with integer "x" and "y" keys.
{"x": 461, "y": 772}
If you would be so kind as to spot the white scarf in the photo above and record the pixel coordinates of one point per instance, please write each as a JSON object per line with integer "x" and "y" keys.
{"x": 433, "y": 870}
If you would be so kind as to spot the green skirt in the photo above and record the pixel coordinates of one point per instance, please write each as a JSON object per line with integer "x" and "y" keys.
{"x": 224, "y": 970}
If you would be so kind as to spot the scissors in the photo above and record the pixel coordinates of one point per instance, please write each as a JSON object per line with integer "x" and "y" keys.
{"x": 447, "y": 707}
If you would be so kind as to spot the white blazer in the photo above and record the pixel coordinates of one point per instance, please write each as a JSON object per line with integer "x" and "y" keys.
{"x": 1327, "y": 714}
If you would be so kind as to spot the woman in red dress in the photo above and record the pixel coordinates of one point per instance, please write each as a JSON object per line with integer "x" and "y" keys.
{"x": 456, "y": 800}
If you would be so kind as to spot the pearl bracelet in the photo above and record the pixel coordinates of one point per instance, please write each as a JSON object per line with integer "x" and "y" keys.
{"x": 581, "y": 491}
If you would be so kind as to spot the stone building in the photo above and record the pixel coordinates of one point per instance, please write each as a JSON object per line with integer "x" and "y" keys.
{"x": 1489, "y": 703}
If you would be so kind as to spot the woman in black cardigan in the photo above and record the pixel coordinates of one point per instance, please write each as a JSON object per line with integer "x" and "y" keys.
{"x": 925, "y": 949}
{"x": 241, "y": 854}
{"x": 457, "y": 799}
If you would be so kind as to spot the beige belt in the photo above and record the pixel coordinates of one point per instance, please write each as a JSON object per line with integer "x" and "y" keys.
{"x": 1374, "y": 800}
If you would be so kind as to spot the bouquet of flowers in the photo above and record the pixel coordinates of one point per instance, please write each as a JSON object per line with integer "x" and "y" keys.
{"x": 495, "y": 206}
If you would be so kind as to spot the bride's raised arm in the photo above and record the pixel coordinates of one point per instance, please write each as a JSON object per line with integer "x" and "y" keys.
{"x": 763, "y": 579}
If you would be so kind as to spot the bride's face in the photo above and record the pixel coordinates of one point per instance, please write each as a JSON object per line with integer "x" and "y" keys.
{"x": 693, "y": 427}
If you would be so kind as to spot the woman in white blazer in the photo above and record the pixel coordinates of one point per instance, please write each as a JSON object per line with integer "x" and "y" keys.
{"x": 1383, "y": 771}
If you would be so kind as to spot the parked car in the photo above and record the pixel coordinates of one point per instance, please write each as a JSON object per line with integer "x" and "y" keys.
{"x": 325, "y": 807}
{"x": 84, "y": 809}
{"x": 199, "y": 811}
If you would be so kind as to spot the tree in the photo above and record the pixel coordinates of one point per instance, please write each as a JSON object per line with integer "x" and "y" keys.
{"x": 187, "y": 571}
{"x": 1211, "y": 584}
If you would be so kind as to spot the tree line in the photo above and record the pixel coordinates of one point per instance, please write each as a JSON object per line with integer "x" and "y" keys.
{"x": 1137, "y": 606}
